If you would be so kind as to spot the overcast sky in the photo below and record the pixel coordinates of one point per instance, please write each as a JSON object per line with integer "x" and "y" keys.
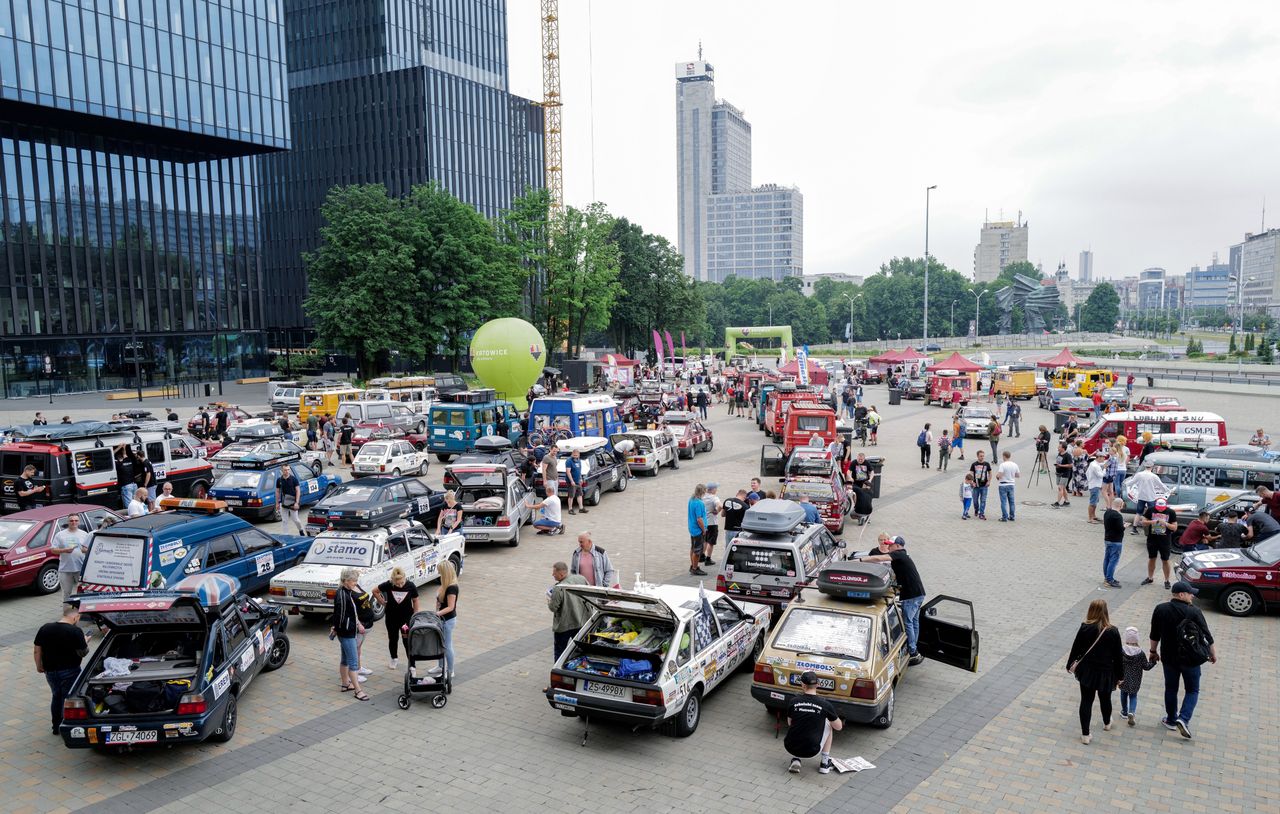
{"x": 1148, "y": 132}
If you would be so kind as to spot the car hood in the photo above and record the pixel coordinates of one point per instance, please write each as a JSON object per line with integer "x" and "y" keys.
{"x": 1218, "y": 559}
{"x": 311, "y": 574}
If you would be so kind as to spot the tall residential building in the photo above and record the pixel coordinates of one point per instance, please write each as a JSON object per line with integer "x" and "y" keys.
{"x": 727, "y": 226}
{"x": 1001, "y": 243}
{"x": 1259, "y": 267}
{"x": 1209, "y": 287}
{"x": 1156, "y": 289}
{"x": 131, "y": 238}
{"x": 398, "y": 93}
{"x": 1086, "y": 266}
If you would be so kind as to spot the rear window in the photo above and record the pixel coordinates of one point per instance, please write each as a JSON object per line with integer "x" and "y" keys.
{"x": 357, "y": 553}
{"x": 749, "y": 559}
{"x": 449, "y": 418}
{"x": 239, "y": 480}
{"x": 11, "y": 531}
{"x": 678, "y": 430}
{"x": 353, "y": 411}
{"x": 374, "y": 451}
{"x": 825, "y": 632}
{"x": 115, "y": 560}
{"x": 89, "y": 461}
{"x": 811, "y": 423}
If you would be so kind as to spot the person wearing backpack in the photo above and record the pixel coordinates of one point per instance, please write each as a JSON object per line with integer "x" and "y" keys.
{"x": 925, "y": 441}
{"x": 994, "y": 439}
{"x": 944, "y": 451}
{"x": 1181, "y": 635}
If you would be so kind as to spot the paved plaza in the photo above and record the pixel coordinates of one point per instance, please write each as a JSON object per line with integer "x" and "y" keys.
{"x": 1003, "y": 739}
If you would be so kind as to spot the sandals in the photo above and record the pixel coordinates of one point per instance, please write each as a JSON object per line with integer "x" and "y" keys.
{"x": 346, "y": 688}
{"x": 361, "y": 696}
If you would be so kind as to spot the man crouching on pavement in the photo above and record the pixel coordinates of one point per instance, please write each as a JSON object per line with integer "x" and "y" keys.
{"x": 810, "y": 719}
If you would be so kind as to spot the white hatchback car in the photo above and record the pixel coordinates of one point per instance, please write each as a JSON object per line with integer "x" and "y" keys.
{"x": 649, "y": 450}
{"x": 389, "y": 457}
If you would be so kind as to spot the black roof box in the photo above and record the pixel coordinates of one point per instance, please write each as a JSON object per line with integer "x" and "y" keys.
{"x": 773, "y": 516}
{"x": 785, "y": 386}
{"x": 856, "y": 580}
{"x": 478, "y": 396}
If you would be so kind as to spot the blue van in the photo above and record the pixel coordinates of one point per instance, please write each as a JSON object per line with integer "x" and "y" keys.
{"x": 249, "y": 489}
{"x": 573, "y": 415}
{"x": 198, "y": 537}
{"x": 460, "y": 419}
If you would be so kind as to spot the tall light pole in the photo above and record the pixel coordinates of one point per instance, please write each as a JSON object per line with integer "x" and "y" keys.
{"x": 851, "y": 299}
{"x": 952, "y": 324}
{"x": 977, "y": 301}
{"x": 927, "y": 190}
{"x": 1239, "y": 281}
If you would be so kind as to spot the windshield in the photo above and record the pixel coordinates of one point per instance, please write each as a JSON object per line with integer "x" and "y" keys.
{"x": 115, "y": 560}
{"x": 374, "y": 451}
{"x": 357, "y": 553}
{"x": 748, "y": 559}
{"x": 239, "y": 480}
{"x": 11, "y": 531}
{"x": 826, "y": 632}
{"x": 643, "y": 442}
{"x": 355, "y": 493}
{"x": 975, "y": 412}
{"x": 1268, "y": 550}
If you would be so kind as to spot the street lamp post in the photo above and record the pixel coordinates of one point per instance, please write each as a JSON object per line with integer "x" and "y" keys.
{"x": 1239, "y": 280}
{"x": 927, "y": 190}
{"x": 951, "y": 325}
{"x": 977, "y": 301}
{"x": 851, "y": 299}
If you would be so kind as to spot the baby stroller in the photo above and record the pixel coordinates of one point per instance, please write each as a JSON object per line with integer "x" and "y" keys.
{"x": 424, "y": 642}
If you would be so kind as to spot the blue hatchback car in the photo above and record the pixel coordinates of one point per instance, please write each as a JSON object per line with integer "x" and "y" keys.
{"x": 158, "y": 550}
{"x": 249, "y": 489}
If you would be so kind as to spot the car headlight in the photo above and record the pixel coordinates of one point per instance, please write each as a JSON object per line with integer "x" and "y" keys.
{"x": 1191, "y": 573}
{"x": 362, "y": 513}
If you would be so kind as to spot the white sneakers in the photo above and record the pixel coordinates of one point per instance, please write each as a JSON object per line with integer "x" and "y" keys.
{"x": 394, "y": 664}
{"x": 1085, "y": 739}
{"x": 365, "y": 671}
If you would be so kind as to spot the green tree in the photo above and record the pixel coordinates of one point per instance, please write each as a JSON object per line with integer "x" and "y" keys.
{"x": 525, "y": 227}
{"x": 656, "y": 293}
{"x": 1101, "y": 310}
{"x": 1231, "y": 346}
{"x": 582, "y": 276}
{"x": 1248, "y": 342}
{"x": 361, "y": 285}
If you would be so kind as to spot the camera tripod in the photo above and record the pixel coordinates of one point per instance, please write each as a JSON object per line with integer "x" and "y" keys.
{"x": 1040, "y": 466}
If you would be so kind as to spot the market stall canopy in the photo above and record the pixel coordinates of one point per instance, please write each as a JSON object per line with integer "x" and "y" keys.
{"x": 1064, "y": 358}
{"x": 957, "y": 362}
{"x": 889, "y": 357}
{"x": 816, "y": 374}
{"x": 912, "y": 355}
{"x": 618, "y": 359}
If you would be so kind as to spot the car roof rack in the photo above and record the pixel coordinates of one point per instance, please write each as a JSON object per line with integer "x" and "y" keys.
{"x": 857, "y": 581}
{"x": 265, "y": 460}
{"x": 479, "y": 396}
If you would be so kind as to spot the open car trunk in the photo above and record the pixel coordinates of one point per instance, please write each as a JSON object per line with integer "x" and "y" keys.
{"x": 140, "y": 671}
{"x": 482, "y": 505}
{"x": 630, "y": 648}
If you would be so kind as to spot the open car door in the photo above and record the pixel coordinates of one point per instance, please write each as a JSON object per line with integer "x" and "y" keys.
{"x": 772, "y": 461}
{"x": 949, "y": 633}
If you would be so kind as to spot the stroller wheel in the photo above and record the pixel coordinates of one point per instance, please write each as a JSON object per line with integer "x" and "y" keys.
{"x": 438, "y": 701}
{"x": 404, "y": 701}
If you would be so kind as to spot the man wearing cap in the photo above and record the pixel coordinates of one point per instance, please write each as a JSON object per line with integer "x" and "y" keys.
{"x": 810, "y": 720}
{"x": 1146, "y": 488}
{"x": 1161, "y": 522}
{"x": 1165, "y": 635}
{"x": 714, "y": 509}
{"x": 910, "y": 586}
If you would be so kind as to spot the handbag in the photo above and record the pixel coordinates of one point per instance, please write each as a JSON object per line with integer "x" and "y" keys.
{"x": 1071, "y": 668}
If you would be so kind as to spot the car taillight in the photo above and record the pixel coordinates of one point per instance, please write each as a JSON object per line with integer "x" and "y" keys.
{"x": 316, "y": 520}
{"x": 382, "y": 467}
{"x": 653, "y": 697}
{"x": 864, "y": 688}
{"x": 253, "y": 501}
{"x": 192, "y": 703}
{"x": 763, "y": 674}
{"x": 721, "y": 585}
{"x": 504, "y": 522}
{"x": 562, "y": 682}
{"x": 331, "y": 593}
{"x": 74, "y": 709}
{"x": 276, "y": 590}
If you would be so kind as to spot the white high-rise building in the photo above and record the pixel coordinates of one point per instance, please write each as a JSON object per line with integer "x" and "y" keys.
{"x": 1086, "y": 266}
{"x": 1001, "y": 243}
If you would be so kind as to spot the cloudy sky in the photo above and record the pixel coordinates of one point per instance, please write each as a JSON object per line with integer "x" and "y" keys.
{"x": 1147, "y": 131}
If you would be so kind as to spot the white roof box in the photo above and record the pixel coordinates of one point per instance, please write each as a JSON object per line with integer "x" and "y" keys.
{"x": 772, "y": 516}
{"x": 947, "y": 372}
{"x": 582, "y": 443}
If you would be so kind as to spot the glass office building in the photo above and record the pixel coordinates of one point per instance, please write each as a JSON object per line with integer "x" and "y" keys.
{"x": 392, "y": 92}
{"x": 129, "y": 247}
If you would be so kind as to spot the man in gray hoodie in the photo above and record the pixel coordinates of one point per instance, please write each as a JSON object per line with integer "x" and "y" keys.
{"x": 568, "y": 612}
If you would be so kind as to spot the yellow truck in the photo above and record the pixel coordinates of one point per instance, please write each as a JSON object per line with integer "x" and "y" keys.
{"x": 1083, "y": 381}
{"x": 1018, "y": 384}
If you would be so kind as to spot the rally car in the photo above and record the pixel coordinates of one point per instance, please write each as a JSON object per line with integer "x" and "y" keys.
{"x": 1242, "y": 581}
{"x": 361, "y": 502}
{"x": 776, "y": 554}
{"x": 649, "y": 450}
{"x": 364, "y": 433}
{"x": 172, "y": 665}
{"x": 1158, "y": 403}
{"x": 389, "y": 457}
{"x": 197, "y": 536}
{"x": 854, "y": 636}
{"x": 976, "y": 421}
{"x": 271, "y": 443}
{"x": 601, "y": 470}
{"x": 249, "y": 489}
{"x": 691, "y": 434}
{"x": 827, "y": 493}
{"x": 309, "y": 588}
{"x": 492, "y": 499}
{"x": 235, "y": 415}
{"x": 26, "y": 540}
{"x": 648, "y": 656}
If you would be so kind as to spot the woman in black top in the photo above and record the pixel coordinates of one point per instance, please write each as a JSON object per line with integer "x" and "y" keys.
{"x": 400, "y": 596}
{"x": 447, "y": 607}
{"x": 1097, "y": 661}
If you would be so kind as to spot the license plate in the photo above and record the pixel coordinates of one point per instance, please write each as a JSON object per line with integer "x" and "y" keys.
{"x": 479, "y": 535}
{"x": 233, "y": 502}
{"x": 823, "y": 683}
{"x": 140, "y": 736}
{"x": 565, "y": 707}
{"x": 301, "y": 594}
{"x": 10, "y": 504}
{"x": 611, "y": 690}
{"x": 858, "y": 594}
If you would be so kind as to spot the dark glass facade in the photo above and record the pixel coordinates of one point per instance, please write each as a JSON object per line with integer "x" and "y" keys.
{"x": 129, "y": 237}
{"x": 396, "y": 92}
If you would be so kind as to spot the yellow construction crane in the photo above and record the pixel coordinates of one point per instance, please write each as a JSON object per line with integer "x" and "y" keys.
{"x": 551, "y": 154}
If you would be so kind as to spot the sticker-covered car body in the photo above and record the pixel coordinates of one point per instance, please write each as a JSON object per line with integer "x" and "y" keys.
{"x": 1240, "y": 581}
{"x": 249, "y": 488}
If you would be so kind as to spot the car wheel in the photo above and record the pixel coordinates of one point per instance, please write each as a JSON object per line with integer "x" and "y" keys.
{"x": 278, "y": 653}
{"x": 711, "y": 442}
{"x": 749, "y": 664}
{"x": 395, "y": 473}
{"x": 422, "y": 427}
{"x": 885, "y": 719}
{"x": 686, "y": 721}
{"x": 457, "y": 561}
{"x": 47, "y": 581}
{"x": 199, "y": 490}
{"x": 1239, "y": 600}
{"x": 227, "y": 726}
{"x": 379, "y": 609}
{"x": 593, "y": 499}
{"x": 621, "y": 486}
{"x": 423, "y": 467}
{"x": 443, "y": 457}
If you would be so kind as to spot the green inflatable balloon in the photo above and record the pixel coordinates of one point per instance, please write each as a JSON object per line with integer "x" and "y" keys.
{"x": 508, "y": 355}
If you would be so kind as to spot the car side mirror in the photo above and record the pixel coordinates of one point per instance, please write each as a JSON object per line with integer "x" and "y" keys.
{"x": 931, "y": 612}
{"x": 841, "y": 544}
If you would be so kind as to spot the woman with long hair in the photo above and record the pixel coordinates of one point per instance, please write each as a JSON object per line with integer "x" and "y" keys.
{"x": 447, "y": 607}
{"x": 1097, "y": 662}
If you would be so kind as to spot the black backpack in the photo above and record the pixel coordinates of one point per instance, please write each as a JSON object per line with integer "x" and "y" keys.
{"x": 1193, "y": 641}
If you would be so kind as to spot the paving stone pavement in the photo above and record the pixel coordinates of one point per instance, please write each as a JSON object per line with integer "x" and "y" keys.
{"x": 1005, "y": 739}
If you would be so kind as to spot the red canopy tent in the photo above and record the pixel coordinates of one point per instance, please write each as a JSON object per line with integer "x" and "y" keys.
{"x": 889, "y": 357}
{"x": 912, "y": 355}
{"x": 957, "y": 362}
{"x": 618, "y": 359}
{"x": 816, "y": 374}
{"x": 1064, "y": 358}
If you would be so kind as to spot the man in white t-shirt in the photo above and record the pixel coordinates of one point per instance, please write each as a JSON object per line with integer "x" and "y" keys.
{"x": 548, "y": 521}
{"x": 138, "y": 506}
{"x": 1147, "y": 488}
{"x": 1007, "y": 474}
